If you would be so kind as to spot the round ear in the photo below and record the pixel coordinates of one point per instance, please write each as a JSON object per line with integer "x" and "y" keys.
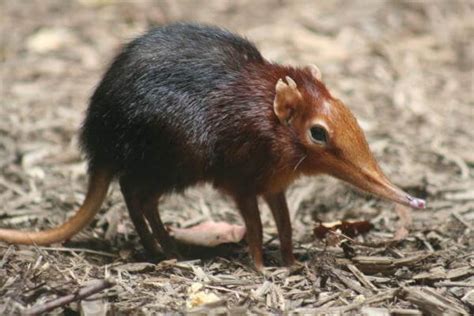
{"x": 286, "y": 99}
{"x": 315, "y": 71}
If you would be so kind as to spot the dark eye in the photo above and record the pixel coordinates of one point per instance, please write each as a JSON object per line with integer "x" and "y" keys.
{"x": 319, "y": 134}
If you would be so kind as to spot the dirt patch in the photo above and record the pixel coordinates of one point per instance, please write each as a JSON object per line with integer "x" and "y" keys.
{"x": 406, "y": 70}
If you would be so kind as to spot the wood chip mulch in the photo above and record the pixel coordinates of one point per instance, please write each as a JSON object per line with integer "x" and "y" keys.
{"x": 406, "y": 69}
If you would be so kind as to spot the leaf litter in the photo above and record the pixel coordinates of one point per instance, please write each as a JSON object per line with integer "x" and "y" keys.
{"x": 405, "y": 68}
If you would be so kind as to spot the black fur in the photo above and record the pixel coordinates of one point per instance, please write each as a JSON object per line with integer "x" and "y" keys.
{"x": 184, "y": 103}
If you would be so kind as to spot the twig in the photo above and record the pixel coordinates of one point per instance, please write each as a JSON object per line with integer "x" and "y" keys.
{"x": 14, "y": 187}
{"x": 93, "y": 288}
{"x": 460, "y": 219}
{"x": 430, "y": 301}
{"x": 361, "y": 277}
{"x": 328, "y": 298}
{"x": 349, "y": 282}
{"x": 389, "y": 294}
{"x": 225, "y": 289}
{"x": 7, "y": 254}
{"x": 373, "y": 244}
{"x": 63, "y": 249}
{"x": 451, "y": 157}
{"x": 452, "y": 283}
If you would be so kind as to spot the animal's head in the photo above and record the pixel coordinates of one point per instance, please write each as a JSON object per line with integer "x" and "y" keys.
{"x": 334, "y": 142}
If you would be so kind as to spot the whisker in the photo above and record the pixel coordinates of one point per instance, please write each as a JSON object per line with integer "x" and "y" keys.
{"x": 299, "y": 162}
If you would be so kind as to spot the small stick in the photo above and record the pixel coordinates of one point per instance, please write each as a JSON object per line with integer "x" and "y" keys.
{"x": 63, "y": 249}
{"x": 451, "y": 283}
{"x": 84, "y": 250}
{"x": 91, "y": 289}
{"x": 375, "y": 244}
{"x": 361, "y": 277}
{"x": 460, "y": 219}
{"x": 7, "y": 254}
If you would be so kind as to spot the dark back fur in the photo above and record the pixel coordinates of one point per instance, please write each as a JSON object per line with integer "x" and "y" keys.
{"x": 188, "y": 103}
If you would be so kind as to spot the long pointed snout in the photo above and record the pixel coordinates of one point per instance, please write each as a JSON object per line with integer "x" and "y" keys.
{"x": 379, "y": 185}
{"x": 349, "y": 158}
{"x": 375, "y": 182}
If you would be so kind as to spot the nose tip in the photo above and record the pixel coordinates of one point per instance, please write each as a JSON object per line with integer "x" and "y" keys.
{"x": 416, "y": 202}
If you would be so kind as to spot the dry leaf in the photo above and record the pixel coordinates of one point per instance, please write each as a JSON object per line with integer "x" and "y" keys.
{"x": 209, "y": 234}
{"x": 48, "y": 39}
{"x": 198, "y": 297}
{"x": 348, "y": 228}
{"x": 135, "y": 267}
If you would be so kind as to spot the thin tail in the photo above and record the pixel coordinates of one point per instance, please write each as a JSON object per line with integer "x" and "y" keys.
{"x": 99, "y": 182}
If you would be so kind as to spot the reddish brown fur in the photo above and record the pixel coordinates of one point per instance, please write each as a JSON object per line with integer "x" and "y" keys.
{"x": 161, "y": 122}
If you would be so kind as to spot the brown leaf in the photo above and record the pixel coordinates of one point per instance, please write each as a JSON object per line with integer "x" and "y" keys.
{"x": 348, "y": 228}
{"x": 209, "y": 234}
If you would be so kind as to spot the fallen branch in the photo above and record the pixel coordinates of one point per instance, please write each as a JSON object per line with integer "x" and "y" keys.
{"x": 91, "y": 289}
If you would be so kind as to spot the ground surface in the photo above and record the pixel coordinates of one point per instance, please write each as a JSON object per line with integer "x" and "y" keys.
{"x": 406, "y": 70}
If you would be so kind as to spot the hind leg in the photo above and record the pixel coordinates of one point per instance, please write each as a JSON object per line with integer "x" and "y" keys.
{"x": 135, "y": 210}
{"x": 150, "y": 209}
{"x": 143, "y": 200}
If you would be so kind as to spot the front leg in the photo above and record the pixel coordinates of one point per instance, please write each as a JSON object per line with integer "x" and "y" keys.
{"x": 248, "y": 207}
{"x": 279, "y": 208}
